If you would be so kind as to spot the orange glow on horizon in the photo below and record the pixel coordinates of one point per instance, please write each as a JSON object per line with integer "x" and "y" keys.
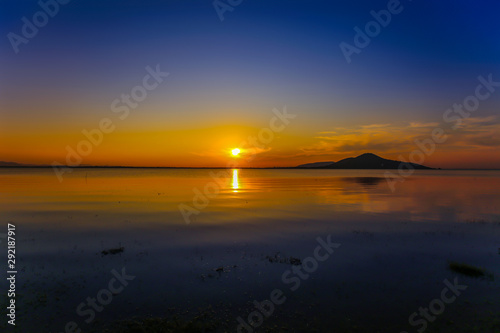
{"x": 208, "y": 146}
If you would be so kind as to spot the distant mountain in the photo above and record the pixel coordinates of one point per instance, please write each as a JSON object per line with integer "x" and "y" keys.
{"x": 315, "y": 165}
{"x": 11, "y": 164}
{"x": 368, "y": 161}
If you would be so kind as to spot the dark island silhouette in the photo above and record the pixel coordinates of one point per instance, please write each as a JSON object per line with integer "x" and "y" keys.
{"x": 364, "y": 161}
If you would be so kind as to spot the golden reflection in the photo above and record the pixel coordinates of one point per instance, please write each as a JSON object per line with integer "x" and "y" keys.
{"x": 235, "y": 184}
{"x": 274, "y": 193}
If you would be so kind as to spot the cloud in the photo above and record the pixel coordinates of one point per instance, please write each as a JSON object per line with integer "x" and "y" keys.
{"x": 388, "y": 138}
{"x": 490, "y": 120}
{"x": 485, "y": 141}
{"x": 375, "y": 126}
{"x": 419, "y": 125}
{"x": 256, "y": 150}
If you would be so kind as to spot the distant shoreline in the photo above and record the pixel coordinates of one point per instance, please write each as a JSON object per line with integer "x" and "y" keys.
{"x": 366, "y": 161}
{"x": 249, "y": 168}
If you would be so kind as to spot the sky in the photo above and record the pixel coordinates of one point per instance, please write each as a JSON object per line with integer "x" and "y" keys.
{"x": 234, "y": 66}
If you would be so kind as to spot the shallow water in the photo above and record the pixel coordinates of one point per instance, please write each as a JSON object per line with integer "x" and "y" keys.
{"x": 394, "y": 245}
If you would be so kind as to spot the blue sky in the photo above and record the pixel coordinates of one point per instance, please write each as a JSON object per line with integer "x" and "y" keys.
{"x": 263, "y": 55}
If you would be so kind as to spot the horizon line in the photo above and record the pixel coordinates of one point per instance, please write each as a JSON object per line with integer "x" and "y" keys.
{"x": 25, "y": 166}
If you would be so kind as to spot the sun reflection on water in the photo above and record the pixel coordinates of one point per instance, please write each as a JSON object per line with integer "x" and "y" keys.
{"x": 235, "y": 184}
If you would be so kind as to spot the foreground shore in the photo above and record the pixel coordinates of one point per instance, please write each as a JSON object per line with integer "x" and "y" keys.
{"x": 372, "y": 282}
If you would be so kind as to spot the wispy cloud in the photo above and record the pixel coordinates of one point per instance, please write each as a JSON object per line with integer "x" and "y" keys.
{"x": 479, "y": 132}
{"x": 375, "y": 126}
{"x": 419, "y": 125}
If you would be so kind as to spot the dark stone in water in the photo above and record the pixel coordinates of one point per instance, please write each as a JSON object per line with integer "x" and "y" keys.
{"x": 113, "y": 251}
{"x": 277, "y": 258}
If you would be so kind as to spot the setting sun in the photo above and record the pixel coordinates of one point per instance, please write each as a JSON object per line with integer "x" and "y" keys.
{"x": 235, "y": 151}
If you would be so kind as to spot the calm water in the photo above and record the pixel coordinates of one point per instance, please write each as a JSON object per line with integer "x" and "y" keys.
{"x": 395, "y": 246}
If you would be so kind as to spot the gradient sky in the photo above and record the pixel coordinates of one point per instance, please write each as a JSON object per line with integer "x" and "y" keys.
{"x": 225, "y": 78}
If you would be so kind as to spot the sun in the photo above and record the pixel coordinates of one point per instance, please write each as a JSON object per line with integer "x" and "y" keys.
{"x": 235, "y": 151}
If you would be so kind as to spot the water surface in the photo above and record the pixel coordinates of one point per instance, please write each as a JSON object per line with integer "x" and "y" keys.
{"x": 393, "y": 258}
